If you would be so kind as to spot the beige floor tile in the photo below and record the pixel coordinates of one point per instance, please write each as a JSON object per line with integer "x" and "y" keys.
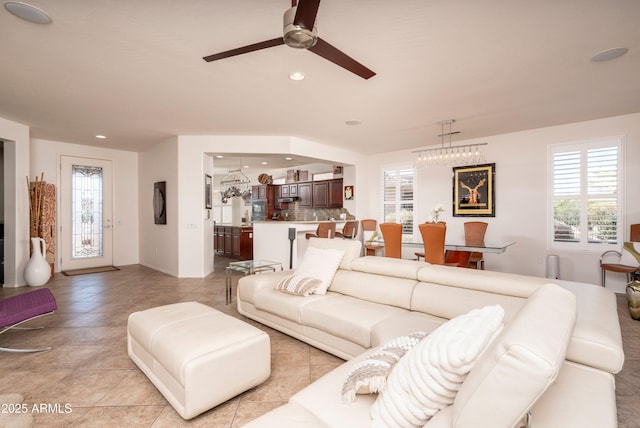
{"x": 89, "y": 368}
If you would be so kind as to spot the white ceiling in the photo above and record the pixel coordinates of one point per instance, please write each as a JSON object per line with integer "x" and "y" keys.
{"x": 133, "y": 70}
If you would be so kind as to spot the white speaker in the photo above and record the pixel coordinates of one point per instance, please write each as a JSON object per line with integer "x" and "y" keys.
{"x": 553, "y": 266}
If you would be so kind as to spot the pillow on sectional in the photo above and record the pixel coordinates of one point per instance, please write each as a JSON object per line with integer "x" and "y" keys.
{"x": 298, "y": 285}
{"x": 370, "y": 375}
{"x": 428, "y": 377}
{"x": 630, "y": 254}
{"x": 322, "y": 264}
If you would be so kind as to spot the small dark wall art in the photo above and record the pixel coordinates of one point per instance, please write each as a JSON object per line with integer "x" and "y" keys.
{"x": 160, "y": 202}
{"x": 208, "y": 182}
{"x": 474, "y": 191}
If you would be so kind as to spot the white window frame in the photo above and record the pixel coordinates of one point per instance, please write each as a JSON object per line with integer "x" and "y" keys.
{"x": 583, "y": 245}
{"x": 398, "y": 202}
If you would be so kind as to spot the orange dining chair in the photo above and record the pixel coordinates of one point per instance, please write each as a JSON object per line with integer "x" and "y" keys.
{"x": 392, "y": 235}
{"x": 350, "y": 230}
{"x": 421, "y": 253}
{"x": 433, "y": 236}
{"x": 369, "y": 233}
{"x": 617, "y": 267}
{"x": 326, "y": 229}
{"x": 474, "y": 235}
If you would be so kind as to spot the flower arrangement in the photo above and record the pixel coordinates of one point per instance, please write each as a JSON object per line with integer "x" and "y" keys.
{"x": 435, "y": 212}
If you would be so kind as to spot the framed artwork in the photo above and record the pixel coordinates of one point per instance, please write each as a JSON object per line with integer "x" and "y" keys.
{"x": 160, "y": 202}
{"x": 474, "y": 191}
{"x": 208, "y": 192}
{"x": 349, "y": 193}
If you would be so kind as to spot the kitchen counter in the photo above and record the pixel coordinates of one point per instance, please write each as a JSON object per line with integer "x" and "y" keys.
{"x": 271, "y": 240}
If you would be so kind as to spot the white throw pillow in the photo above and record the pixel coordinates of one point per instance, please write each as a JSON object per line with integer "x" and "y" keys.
{"x": 370, "y": 375}
{"x": 428, "y": 377}
{"x": 322, "y": 264}
{"x": 630, "y": 254}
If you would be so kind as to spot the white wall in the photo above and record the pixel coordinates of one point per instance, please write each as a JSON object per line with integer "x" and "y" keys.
{"x": 45, "y": 158}
{"x": 521, "y": 195}
{"x": 159, "y": 242}
{"x": 193, "y": 233}
{"x": 16, "y": 213}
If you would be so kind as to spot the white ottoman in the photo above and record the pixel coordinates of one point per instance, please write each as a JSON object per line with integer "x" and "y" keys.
{"x": 197, "y": 356}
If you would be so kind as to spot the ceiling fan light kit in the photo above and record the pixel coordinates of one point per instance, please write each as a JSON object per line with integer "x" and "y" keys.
{"x": 297, "y": 36}
{"x": 299, "y": 32}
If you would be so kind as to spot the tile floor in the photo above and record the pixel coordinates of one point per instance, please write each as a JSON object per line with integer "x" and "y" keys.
{"x": 89, "y": 370}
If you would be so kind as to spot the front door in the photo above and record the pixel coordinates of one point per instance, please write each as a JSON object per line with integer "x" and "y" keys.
{"x": 86, "y": 233}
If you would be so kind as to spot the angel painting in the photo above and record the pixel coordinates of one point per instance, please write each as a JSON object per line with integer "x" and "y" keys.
{"x": 473, "y": 188}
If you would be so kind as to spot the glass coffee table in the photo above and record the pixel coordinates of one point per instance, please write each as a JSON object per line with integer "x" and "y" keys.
{"x": 248, "y": 267}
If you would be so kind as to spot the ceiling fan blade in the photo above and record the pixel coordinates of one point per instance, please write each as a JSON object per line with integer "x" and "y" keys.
{"x": 306, "y": 13}
{"x": 336, "y": 56}
{"x": 245, "y": 49}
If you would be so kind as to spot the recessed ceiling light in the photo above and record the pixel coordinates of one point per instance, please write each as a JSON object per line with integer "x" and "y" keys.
{"x": 264, "y": 163}
{"x": 27, "y": 12}
{"x": 609, "y": 54}
{"x": 296, "y": 75}
{"x": 100, "y": 136}
{"x": 288, "y": 158}
{"x": 354, "y": 122}
{"x": 219, "y": 156}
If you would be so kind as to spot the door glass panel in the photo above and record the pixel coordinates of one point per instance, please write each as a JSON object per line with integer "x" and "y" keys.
{"x": 86, "y": 211}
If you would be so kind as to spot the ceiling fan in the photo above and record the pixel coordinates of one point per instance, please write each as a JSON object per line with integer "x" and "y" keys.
{"x": 299, "y": 32}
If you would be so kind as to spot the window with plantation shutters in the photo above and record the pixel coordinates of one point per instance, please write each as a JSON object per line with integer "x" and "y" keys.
{"x": 586, "y": 194}
{"x": 398, "y": 202}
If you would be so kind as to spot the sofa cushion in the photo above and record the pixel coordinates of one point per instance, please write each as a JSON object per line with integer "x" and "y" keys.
{"x": 473, "y": 279}
{"x": 322, "y": 264}
{"x": 580, "y": 397}
{"x": 404, "y": 323}
{"x": 520, "y": 364}
{"x": 346, "y": 317}
{"x": 387, "y": 266}
{"x": 387, "y": 290}
{"x": 428, "y": 376}
{"x": 596, "y": 340}
{"x": 285, "y": 305}
{"x": 448, "y": 302}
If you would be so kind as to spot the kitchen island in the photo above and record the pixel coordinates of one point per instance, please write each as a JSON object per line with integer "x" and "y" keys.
{"x": 271, "y": 240}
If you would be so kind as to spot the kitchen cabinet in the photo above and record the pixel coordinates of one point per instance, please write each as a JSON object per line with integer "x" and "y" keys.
{"x": 311, "y": 194}
{"x": 262, "y": 192}
{"x": 327, "y": 194}
{"x": 246, "y": 243}
{"x": 305, "y": 193}
{"x": 321, "y": 194}
{"x": 234, "y": 241}
{"x": 335, "y": 193}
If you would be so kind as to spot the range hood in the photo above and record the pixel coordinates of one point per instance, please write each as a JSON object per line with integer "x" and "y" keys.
{"x": 288, "y": 199}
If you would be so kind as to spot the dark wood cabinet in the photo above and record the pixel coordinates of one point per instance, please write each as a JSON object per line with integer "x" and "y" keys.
{"x": 305, "y": 194}
{"x": 246, "y": 243}
{"x": 327, "y": 194}
{"x": 321, "y": 194}
{"x": 335, "y": 193}
{"x": 234, "y": 241}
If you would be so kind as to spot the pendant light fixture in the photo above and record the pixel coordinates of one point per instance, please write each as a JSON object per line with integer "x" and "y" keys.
{"x": 447, "y": 154}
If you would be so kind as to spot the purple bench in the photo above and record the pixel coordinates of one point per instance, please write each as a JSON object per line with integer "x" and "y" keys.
{"x": 24, "y": 307}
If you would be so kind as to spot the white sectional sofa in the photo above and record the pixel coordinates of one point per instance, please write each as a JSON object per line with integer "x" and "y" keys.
{"x": 555, "y": 357}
